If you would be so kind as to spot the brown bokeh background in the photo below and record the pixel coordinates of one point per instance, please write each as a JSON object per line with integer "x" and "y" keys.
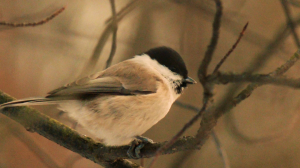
{"x": 262, "y": 131}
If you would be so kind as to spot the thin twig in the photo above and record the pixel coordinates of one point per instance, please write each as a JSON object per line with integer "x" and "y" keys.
{"x": 124, "y": 10}
{"x": 231, "y": 50}
{"x": 279, "y": 71}
{"x": 225, "y": 78}
{"x": 290, "y": 21}
{"x": 33, "y": 23}
{"x": 230, "y": 24}
{"x": 248, "y": 91}
{"x": 114, "y": 35}
{"x": 202, "y": 72}
{"x": 209, "y": 119}
{"x": 176, "y": 137}
{"x": 90, "y": 65}
{"x": 187, "y": 106}
{"x": 269, "y": 50}
{"x": 295, "y": 3}
{"x": 53, "y": 130}
{"x": 221, "y": 150}
{"x": 260, "y": 60}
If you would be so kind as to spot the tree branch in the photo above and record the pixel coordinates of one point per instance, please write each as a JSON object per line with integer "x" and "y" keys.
{"x": 114, "y": 156}
{"x": 231, "y": 50}
{"x": 290, "y": 21}
{"x": 202, "y": 72}
{"x": 34, "y": 23}
{"x": 53, "y": 130}
{"x": 114, "y": 35}
{"x": 225, "y": 78}
{"x": 210, "y": 117}
{"x": 90, "y": 66}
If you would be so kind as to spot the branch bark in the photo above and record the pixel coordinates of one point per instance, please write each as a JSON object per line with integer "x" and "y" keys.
{"x": 55, "y": 131}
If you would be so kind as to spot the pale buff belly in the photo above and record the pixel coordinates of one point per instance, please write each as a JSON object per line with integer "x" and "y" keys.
{"x": 117, "y": 123}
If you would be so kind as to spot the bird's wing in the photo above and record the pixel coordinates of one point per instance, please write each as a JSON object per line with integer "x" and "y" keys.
{"x": 89, "y": 87}
{"x": 83, "y": 89}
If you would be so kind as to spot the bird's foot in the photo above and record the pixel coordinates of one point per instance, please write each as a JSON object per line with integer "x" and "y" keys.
{"x": 136, "y": 145}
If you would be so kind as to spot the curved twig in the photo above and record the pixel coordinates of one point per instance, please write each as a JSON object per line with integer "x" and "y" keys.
{"x": 114, "y": 35}
{"x": 90, "y": 65}
{"x": 34, "y": 23}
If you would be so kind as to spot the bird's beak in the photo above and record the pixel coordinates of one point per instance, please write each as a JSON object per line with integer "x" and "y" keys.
{"x": 189, "y": 80}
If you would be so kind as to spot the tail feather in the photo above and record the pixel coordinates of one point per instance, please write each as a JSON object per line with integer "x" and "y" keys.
{"x": 29, "y": 101}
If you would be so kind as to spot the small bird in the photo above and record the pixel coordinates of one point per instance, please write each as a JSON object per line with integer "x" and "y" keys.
{"x": 117, "y": 105}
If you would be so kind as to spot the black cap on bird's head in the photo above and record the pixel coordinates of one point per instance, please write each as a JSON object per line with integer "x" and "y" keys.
{"x": 172, "y": 60}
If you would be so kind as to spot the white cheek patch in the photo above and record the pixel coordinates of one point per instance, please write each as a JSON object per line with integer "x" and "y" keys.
{"x": 170, "y": 77}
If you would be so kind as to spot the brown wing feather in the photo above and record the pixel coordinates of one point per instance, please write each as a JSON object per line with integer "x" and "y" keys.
{"x": 114, "y": 80}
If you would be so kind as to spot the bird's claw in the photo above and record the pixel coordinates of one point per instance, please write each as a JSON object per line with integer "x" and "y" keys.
{"x": 136, "y": 145}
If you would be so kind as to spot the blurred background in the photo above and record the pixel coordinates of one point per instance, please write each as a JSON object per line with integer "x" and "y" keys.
{"x": 262, "y": 131}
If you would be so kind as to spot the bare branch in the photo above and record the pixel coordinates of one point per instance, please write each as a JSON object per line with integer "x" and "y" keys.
{"x": 279, "y": 71}
{"x": 225, "y": 78}
{"x": 34, "y": 23}
{"x": 248, "y": 91}
{"x": 114, "y": 35}
{"x": 231, "y": 50}
{"x": 35, "y": 122}
{"x": 209, "y": 119}
{"x": 90, "y": 66}
{"x": 270, "y": 49}
{"x": 124, "y": 10}
{"x": 112, "y": 156}
{"x": 290, "y": 21}
{"x": 221, "y": 150}
{"x": 202, "y": 71}
{"x": 177, "y": 136}
{"x": 295, "y": 3}
{"x": 53, "y": 130}
{"x": 187, "y": 106}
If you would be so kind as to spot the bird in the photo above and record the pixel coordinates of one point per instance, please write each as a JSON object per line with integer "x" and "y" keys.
{"x": 119, "y": 104}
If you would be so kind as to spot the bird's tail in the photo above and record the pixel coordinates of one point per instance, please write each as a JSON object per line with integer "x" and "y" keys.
{"x": 29, "y": 101}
